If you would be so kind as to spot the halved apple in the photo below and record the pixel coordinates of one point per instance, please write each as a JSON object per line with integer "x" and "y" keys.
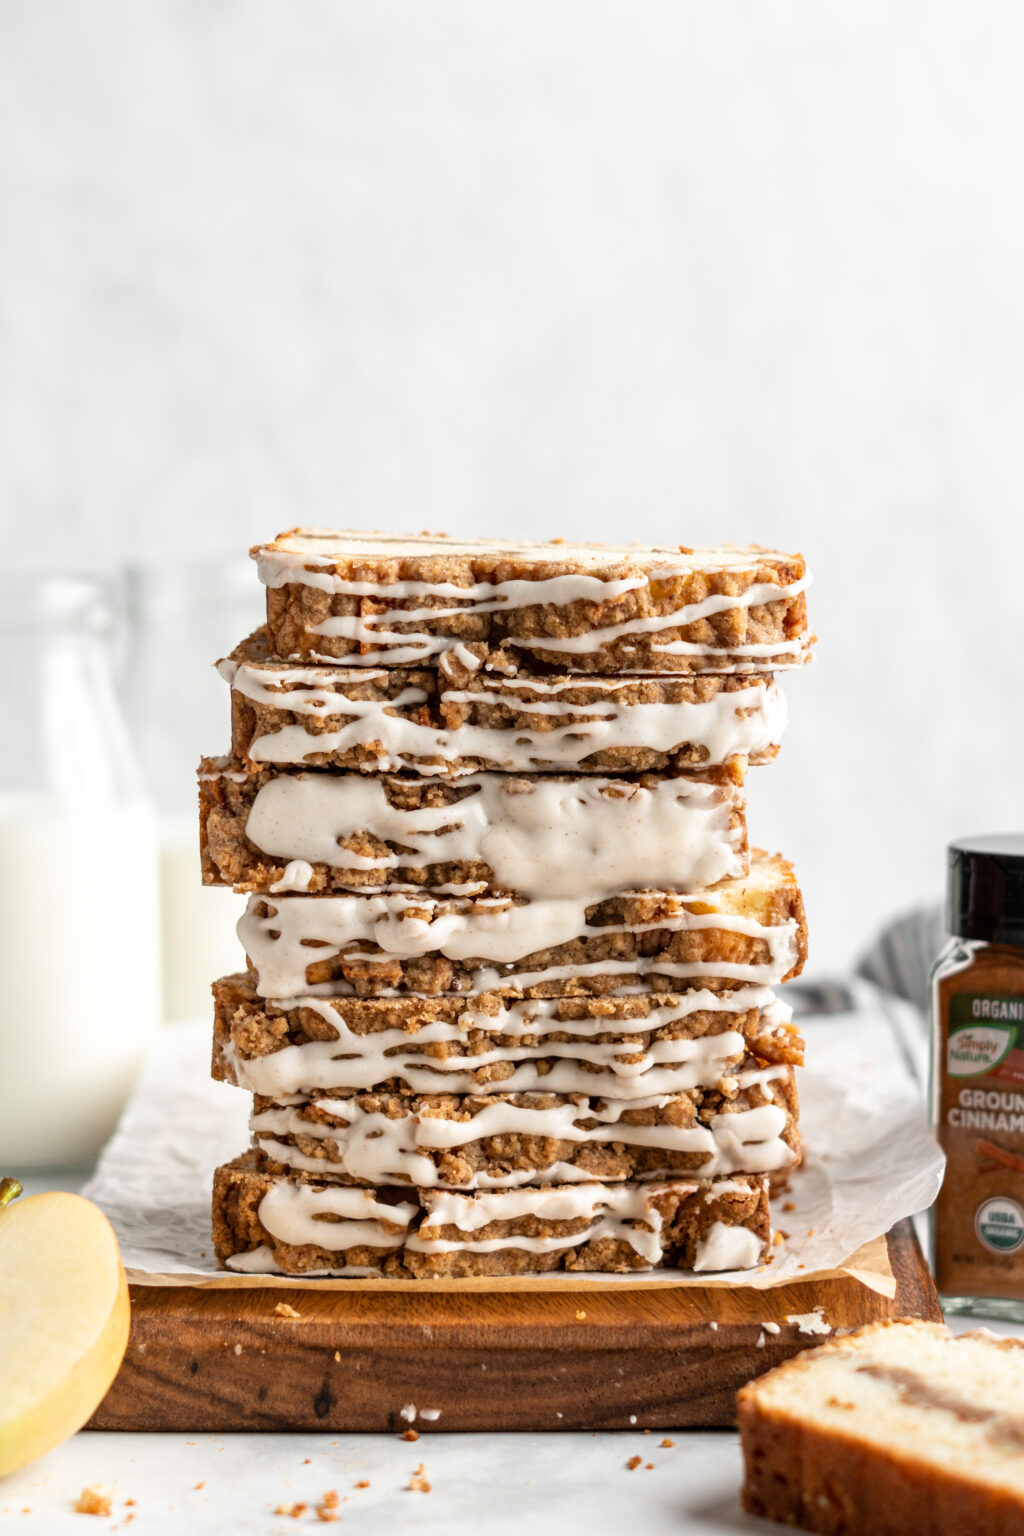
{"x": 64, "y": 1316}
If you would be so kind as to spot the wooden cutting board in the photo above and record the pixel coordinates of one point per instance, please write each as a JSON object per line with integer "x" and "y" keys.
{"x": 476, "y": 1360}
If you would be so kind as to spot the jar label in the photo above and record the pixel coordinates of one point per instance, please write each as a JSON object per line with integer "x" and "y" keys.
{"x": 977, "y": 1048}
{"x": 979, "y": 1118}
{"x": 984, "y": 1029}
{"x": 999, "y": 1224}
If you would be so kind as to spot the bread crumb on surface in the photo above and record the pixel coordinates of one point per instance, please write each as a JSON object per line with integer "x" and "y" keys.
{"x": 633, "y": 1463}
{"x": 418, "y": 1482}
{"x": 648, "y": 1466}
{"x": 327, "y": 1509}
{"x": 580, "y": 1316}
{"x": 337, "y": 1356}
{"x": 364, "y": 1482}
{"x": 93, "y": 1501}
{"x": 294, "y": 1511}
{"x": 410, "y": 1434}
{"x": 667, "y": 1444}
{"x": 284, "y": 1310}
{"x": 197, "y": 1488}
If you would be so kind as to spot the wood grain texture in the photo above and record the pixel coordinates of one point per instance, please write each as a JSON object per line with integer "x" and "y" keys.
{"x": 656, "y": 1359}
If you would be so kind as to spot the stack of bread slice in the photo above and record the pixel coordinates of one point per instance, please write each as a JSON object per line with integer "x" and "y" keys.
{"x": 508, "y": 1003}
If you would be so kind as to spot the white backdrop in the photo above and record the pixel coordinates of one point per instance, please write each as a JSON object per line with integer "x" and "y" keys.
{"x": 668, "y": 271}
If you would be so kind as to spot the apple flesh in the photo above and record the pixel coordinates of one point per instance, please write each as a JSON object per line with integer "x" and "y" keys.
{"x": 64, "y": 1315}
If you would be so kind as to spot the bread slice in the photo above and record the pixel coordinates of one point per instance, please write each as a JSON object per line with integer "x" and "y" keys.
{"x": 266, "y": 829}
{"x": 749, "y": 931}
{"x": 265, "y": 1223}
{"x": 401, "y": 601}
{"x": 899, "y": 1429}
{"x": 626, "y": 1047}
{"x": 455, "y": 718}
{"x": 474, "y": 1141}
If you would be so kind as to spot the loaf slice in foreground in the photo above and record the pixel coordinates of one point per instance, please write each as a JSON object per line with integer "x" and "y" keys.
{"x": 265, "y": 1223}
{"x": 899, "y": 1429}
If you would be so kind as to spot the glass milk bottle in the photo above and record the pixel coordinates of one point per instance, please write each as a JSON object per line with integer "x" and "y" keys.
{"x": 78, "y": 881}
{"x": 182, "y": 619}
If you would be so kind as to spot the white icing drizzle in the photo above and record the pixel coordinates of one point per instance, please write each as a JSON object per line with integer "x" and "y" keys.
{"x": 281, "y": 570}
{"x": 279, "y": 944}
{"x": 690, "y": 613}
{"x": 298, "y": 876}
{"x": 463, "y": 656}
{"x": 361, "y": 1216}
{"x": 383, "y": 1149}
{"x": 540, "y": 836}
{"x": 727, "y": 1247}
{"x": 725, "y": 1187}
{"x": 405, "y": 647}
{"x": 359, "y": 1061}
{"x": 307, "y": 559}
{"x": 486, "y": 978}
{"x": 257, "y": 1261}
{"x": 261, "y": 1261}
{"x": 741, "y": 722}
{"x": 624, "y": 1212}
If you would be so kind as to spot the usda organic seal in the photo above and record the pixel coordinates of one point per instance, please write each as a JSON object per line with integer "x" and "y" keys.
{"x": 999, "y": 1224}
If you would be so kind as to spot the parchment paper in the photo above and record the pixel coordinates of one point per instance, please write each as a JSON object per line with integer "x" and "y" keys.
{"x": 869, "y": 1160}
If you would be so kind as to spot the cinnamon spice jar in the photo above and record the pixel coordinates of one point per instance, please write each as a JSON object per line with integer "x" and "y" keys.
{"x": 978, "y": 1081}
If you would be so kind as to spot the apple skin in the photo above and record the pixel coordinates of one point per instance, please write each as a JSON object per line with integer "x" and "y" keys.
{"x": 65, "y": 1404}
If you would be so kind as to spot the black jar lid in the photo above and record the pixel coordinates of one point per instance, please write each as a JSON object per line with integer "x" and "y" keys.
{"x": 986, "y": 888}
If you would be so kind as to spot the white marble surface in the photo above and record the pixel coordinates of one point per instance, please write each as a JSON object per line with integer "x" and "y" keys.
{"x": 494, "y": 1483}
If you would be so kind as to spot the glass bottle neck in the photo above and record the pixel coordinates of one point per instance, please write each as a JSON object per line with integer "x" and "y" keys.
{"x": 64, "y": 739}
